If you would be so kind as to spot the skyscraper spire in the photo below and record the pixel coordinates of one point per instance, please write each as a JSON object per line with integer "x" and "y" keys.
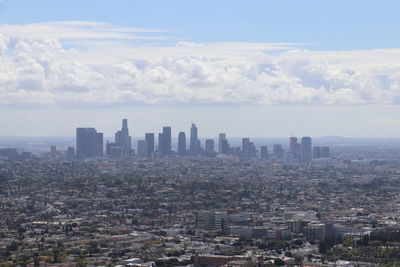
{"x": 123, "y": 140}
{"x": 194, "y": 141}
{"x": 125, "y": 125}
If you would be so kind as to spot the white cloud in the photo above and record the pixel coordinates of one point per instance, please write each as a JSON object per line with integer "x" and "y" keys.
{"x": 91, "y": 63}
{"x": 77, "y": 30}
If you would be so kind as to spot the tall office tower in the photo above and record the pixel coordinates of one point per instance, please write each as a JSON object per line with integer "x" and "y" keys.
{"x": 53, "y": 150}
{"x": 149, "y": 137}
{"x": 252, "y": 150}
{"x": 325, "y": 153}
{"x": 306, "y": 149}
{"x": 123, "y": 140}
{"x": 316, "y": 152}
{"x": 109, "y": 146}
{"x": 115, "y": 152}
{"x": 264, "y": 152}
{"x": 225, "y": 147}
{"x": 182, "y": 144}
{"x": 142, "y": 148}
{"x": 194, "y": 141}
{"x": 293, "y": 145}
{"x": 246, "y": 150}
{"x": 9, "y": 153}
{"x": 70, "y": 154}
{"x": 160, "y": 144}
{"x": 221, "y": 138}
{"x": 166, "y": 137}
{"x": 210, "y": 146}
{"x": 278, "y": 151}
{"x": 89, "y": 143}
{"x": 100, "y": 145}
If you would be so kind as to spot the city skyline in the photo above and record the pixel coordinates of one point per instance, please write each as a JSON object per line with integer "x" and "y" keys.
{"x": 90, "y": 144}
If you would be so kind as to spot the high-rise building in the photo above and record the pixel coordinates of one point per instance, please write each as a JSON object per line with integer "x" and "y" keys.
{"x": 53, "y": 150}
{"x": 306, "y": 149}
{"x": 164, "y": 141}
{"x": 210, "y": 146}
{"x": 115, "y": 152}
{"x": 252, "y": 150}
{"x": 246, "y": 150}
{"x": 89, "y": 143}
{"x": 294, "y": 154}
{"x": 226, "y": 149}
{"x": 9, "y": 153}
{"x": 325, "y": 153}
{"x": 293, "y": 145}
{"x": 181, "y": 144}
{"x": 208, "y": 220}
{"x": 278, "y": 151}
{"x": 167, "y": 139}
{"x": 316, "y": 152}
{"x": 264, "y": 152}
{"x": 142, "y": 148}
{"x": 109, "y": 146}
{"x": 26, "y": 155}
{"x": 70, "y": 154}
{"x": 100, "y": 145}
{"x": 149, "y": 137}
{"x": 123, "y": 140}
{"x": 194, "y": 142}
{"x": 221, "y": 138}
{"x": 160, "y": 143}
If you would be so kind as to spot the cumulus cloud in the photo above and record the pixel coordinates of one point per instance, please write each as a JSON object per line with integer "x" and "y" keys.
{"x": 91, "y": 63}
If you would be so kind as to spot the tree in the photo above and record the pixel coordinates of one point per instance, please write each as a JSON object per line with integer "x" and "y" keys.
{"x": 323, "y": 248}
{"x": 56, "y": 255}
{"x": 279, "y": 262}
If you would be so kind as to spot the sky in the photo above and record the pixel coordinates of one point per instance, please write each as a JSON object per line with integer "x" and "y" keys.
{"x": 247, "y": 68}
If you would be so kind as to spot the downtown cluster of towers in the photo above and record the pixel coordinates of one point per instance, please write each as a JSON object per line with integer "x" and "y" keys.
{"x": 90, "y": 144}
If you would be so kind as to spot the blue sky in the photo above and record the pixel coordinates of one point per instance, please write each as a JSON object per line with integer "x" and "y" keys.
{"x": 323, "y": 24}
{"x": 250, "y": 68}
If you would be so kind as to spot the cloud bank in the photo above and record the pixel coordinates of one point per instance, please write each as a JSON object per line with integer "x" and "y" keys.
{"x": 96, "y": 64}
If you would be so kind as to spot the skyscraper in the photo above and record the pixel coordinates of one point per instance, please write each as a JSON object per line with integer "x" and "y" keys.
{"x": 293, "y": 145}
{"x": 194, "y": 142}
{"x": 70, "y": 153}
{"x": 142, "y": 148}
{"x": 100, "y": 145}
{"x": 164, "y": 141}
{"x": 221, "y": 138}
{"x": 264, "y": 152}
{"x": 149, "y": 137}
{"x": 306, "y": 149}
{"x": 325, "y": 153}
{"x": 210, "y": 146}
{"x": 278, "y": 151}
{"x": 246, "y": 149}
{"x": 123, "y": 140}
{"x": 226, "y": 149}
{"x": 181, "y": 144}
{"x": 167, "y": 138}
{"x": 160, "y": 143}
{"x": 53, "y": 150}
{"x": 316, "y": 152}
{"x": 89, "y": 143}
